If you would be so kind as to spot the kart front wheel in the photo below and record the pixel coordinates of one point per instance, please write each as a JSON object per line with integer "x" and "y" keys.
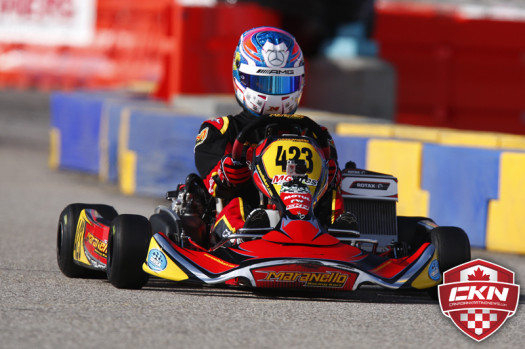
{"x": 66, "y": 232}
{"x": 453, "y": 248}
{"x": 128, "y": 242}
{"x": 413, "y": 232}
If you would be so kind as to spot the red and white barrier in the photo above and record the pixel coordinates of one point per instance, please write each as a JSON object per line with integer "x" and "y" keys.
{"x": 67, "y": 44}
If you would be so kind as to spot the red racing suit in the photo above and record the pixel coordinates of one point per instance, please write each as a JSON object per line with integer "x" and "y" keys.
{"x": 214, "y": 141}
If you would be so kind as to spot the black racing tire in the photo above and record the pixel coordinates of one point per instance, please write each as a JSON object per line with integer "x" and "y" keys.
{"x": 66, "y": 231}
{"x": 453, "y": 248}
{"x": 162, "y": 223}
{"x": 128, "y": 243}
{"x": 411, "y": 233}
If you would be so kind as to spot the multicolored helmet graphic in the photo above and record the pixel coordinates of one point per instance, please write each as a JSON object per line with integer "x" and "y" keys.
{"x": 268, "y": 71}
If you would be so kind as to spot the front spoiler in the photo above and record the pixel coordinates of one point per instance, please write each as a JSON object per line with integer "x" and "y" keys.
{"x": 168, "y": 261}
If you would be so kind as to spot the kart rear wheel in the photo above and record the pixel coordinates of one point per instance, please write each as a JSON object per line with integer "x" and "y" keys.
{"x": 453, "y": 248}
{"x": 66, "y": 231}
{"x": 128, "y": 243}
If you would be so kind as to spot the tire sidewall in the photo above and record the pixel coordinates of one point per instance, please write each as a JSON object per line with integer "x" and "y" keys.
{"x": 128, "y": 244}
{"x": 66, "y": 232}
{"x": 453, "y": 246}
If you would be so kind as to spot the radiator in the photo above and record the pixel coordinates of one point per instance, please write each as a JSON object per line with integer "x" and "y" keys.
{"x": 372, "y": 198}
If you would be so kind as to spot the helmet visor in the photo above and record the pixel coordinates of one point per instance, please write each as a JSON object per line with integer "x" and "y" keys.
{"x": 271, "y": 84}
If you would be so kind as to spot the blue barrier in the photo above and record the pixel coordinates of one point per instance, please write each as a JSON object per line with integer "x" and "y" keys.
{"x": 505, "y": 216}
{"x": 461, "y": 182}
{"x": 76, "y": 116}
{"x": 109, "y": 139}
{"x": 351, "y": 149}
{"x": 109, "y": 132}
{"x": 163, "y": 143}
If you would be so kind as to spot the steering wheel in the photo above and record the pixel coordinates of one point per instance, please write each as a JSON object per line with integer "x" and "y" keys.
{"x": 280, "y": 120}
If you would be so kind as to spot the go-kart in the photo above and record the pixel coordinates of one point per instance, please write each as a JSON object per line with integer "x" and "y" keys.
{"x": 289, "y": 248}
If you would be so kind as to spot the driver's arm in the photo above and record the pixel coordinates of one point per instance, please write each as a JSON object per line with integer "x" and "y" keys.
{"x": 213, "y": 160}
{"x": 210, "y": 146}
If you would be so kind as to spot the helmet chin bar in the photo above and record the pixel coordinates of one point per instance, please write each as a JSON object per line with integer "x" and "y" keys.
{"x": 260, "y": 104}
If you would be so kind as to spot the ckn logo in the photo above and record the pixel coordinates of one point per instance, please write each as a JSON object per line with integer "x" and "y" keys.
{"x": 478, "y": 296}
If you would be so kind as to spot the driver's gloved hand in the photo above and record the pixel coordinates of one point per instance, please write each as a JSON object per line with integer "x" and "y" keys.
{"x": 233, "y": 173}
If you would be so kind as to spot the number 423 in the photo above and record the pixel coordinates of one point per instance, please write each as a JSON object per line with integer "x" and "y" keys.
{"x": 295, "y": 154}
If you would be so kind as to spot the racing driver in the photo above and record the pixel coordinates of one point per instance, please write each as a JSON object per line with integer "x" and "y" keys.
{"x": 257, "y": 94}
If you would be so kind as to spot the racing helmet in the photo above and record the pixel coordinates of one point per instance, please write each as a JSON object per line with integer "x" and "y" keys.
{"x": 268, "y": 71}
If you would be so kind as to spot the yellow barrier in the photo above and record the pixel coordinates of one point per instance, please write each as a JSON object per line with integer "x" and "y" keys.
{"x": 433, "y": 135}
{"x": 54, "y": 148}
{"x": 127, "y": 159}
{"x": 506, "y": 218}
{"x": 417, "y": 133}
{"x": 103, "y": 172}
{"x": 512, "y": 142}
{"x": 403, "y": 160}
{"x": 365, "y": 130}
{"x": 469, "y": 139}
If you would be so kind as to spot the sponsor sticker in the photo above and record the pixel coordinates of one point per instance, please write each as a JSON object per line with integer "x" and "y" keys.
{"x": 100, "y": 247}
{"x": 433, "y": 270}
{"x": 304, "y": 276}
{"x": 201, "y": 137}
{"x": 370, "y": 185}
{"x": 478, "y": 296}
{"x": 308, "y": 279}
{"x": 276, "y": 71}
{"x": 157, "y": 260}
{"x": 298, "y": 204}
{"x": 282, "y": 178}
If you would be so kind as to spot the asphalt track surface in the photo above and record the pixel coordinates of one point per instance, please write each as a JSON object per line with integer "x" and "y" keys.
{"x": 41, "y": 308}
